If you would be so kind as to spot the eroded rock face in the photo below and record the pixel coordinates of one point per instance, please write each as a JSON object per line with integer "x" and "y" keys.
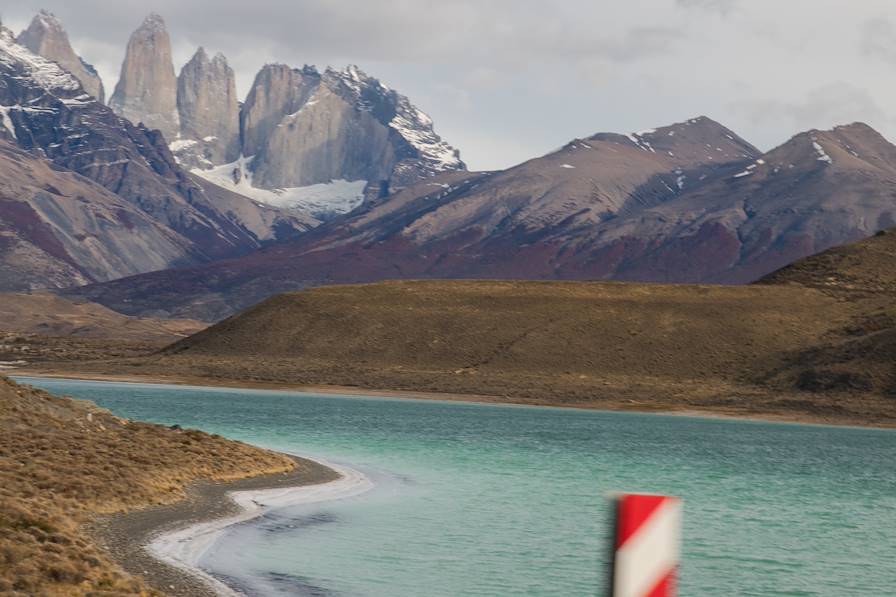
{"x": 147, "y": 89}
{"x": 46, "y": 37}
{"x": 304, "y": 128}
{"x": 209, "y": 111}
{"x": 327, "y": 139}
{"x": 278, "y": 90}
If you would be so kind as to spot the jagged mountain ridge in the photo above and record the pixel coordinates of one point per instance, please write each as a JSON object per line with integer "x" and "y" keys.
{"x": 209, "y": 112}
{"x": 287, "y": 110}
{"x": 296, "y": 129}
{"x": 45, "y": 111}
{"x": 299, "y": 129}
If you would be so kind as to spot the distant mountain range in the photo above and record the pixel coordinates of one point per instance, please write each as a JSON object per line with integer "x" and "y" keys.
{"x": 691, "y": 202}
{"x": 323, "y": 177}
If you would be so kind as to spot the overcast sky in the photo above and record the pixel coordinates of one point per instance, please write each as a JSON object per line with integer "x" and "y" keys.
{"x": 506, "y": 80}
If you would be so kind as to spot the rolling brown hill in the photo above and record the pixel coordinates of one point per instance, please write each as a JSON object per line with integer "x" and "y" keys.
{"x": 42, "y": 327}
{"x": 796, "y": 345}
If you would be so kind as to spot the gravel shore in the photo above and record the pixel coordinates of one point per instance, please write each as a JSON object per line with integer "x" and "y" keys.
{"x": 126, "y": 535}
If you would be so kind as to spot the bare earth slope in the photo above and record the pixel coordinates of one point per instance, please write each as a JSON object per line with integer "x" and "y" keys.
{"x": 63, "y": 462}
{"x": 58, "y": 228}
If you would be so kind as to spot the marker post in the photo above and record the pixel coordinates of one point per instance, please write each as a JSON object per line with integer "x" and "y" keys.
{"x": 647, "y": 546}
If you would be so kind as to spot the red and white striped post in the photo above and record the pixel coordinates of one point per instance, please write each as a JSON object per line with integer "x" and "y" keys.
{"x": 647, "y": 547}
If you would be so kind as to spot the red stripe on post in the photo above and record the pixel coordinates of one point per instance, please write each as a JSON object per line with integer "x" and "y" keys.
{"x": 666, "y": 587}
{"x": 634, "y": 511}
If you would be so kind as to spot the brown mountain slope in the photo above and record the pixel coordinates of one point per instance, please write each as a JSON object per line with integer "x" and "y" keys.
{"x": 62, "y": 462}
{"x": 820, "y": 189}
{"x": 58, "y": 228}
{"x": 689, "y": 203}
{"x": 519, "y": 223}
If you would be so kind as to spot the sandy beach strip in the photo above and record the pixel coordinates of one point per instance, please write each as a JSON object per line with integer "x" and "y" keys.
{"x": 163, "y": 544}
{"x": 627, "y": 405}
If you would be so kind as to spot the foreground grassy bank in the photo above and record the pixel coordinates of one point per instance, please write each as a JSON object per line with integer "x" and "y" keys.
{"x": 65, "y": 462}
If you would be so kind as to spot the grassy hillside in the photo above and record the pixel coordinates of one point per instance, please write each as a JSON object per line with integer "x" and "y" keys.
{"x": 63, "y": 462}
{"x": 587, "y": 330}
{"x": 41, "y": 327}
{"x": 863, "y": 269}
{"x": 860, "y": 357}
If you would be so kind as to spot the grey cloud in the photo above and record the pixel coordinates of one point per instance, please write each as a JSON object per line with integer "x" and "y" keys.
{"x": 879, "y": 39}
{"x": 824, "y": 107}
{"x": 509, "y": 79}
{"x": 723, "y": 7}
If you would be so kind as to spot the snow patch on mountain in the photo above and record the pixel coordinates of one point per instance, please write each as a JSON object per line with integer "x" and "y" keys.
{"x": 7, "y": 121}
{"x": 822, "y": 154}
{"x": 640, "y": 140}
{"x": 46, "y": 73}
{"x": 319, "y": 200}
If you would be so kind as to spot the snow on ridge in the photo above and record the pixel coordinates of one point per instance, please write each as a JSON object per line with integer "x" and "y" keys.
{"x": 46, "y": 73}
{"x": 319, "y": 200}
{"x": 414, "y": 125}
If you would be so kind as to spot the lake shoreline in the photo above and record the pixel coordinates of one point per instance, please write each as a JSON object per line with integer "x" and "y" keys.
{"x": 127, "y": 536}
{"x": 630, "y": 406}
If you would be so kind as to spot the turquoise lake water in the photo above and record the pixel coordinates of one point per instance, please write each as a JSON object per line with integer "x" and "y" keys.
{"x": 499, "y": 500}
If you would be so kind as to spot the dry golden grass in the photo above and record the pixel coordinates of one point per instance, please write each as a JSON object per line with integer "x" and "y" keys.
{"x": 64, "y": 461}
